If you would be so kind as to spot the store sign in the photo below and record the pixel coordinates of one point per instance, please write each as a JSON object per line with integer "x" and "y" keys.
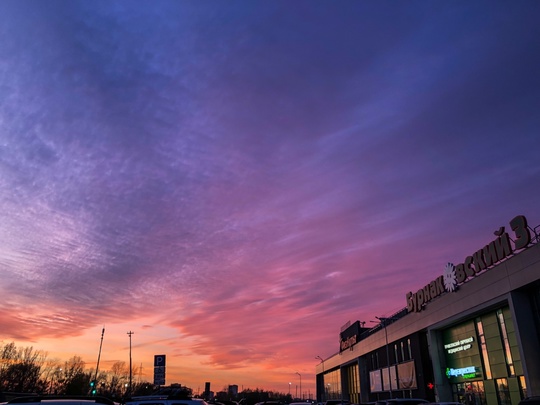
{"x": 491, "y": 254}
{"x": 459, "y": 345}
{"x": 349, "y": 336}
{"x": 347, "y": 343}
{"x": 465, "y": 372}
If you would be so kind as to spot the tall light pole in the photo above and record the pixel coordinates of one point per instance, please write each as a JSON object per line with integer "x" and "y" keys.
{"x": 289, "y": 389}
{"x": 130, "y": 368}
{"x": 300, "y": 383}
{"x": 382, "y": 321}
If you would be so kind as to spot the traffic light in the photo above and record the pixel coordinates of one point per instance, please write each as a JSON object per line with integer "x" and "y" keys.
{"x": 93, "y": 387}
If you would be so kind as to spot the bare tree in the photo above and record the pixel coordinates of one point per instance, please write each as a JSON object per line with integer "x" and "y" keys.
{"x": 72, "y": 376}
{"x": 8, "y": 354}
{"x": 119, "y": 377}
{"x": 20, "y": 369}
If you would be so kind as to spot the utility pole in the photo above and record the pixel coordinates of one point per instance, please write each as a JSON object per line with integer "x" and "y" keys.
{"x": 130, "y": 368}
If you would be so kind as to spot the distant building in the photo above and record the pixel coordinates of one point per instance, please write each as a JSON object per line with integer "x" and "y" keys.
{"x": 207, "y": 393}
{"x": 471, "y": 335}
{"x": 233, "y": 390}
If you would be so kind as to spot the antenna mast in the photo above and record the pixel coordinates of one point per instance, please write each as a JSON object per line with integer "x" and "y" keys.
{"x": 93, "y": 383}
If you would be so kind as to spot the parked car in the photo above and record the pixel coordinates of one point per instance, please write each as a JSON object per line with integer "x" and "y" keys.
{"x": 61, "y": 400}
{"x": 337, "y": 402}
{"x": 406, "y": 401}
{"x": 164, "y": 400}
{"x": 269, "y": 403}
{"x": 445, "y": 403}
{"x": 530, "y": 401}
{"x": 7, "y": 396}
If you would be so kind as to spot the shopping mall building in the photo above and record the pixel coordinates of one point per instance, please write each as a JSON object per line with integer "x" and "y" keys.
{"x": 470, "y": 335}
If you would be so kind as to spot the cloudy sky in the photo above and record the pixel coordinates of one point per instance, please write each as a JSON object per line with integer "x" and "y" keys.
{"x": 235, "y": 180}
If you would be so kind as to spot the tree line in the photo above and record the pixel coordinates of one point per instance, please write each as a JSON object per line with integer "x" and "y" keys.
{"x": 26, "y": 370}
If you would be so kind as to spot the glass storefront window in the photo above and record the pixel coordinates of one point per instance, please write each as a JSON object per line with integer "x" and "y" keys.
{"x": 353, "y": 382}
{"x": 483, "y": 348}
{"x": 471, "y": 393}
{"x": 522, "y": 387}
{"x": 504, "y": 336}
{"x": 503, "y": 393}
{"x": 332, "y": 382}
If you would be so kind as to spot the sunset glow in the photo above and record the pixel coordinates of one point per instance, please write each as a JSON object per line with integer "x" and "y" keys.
{"x": 234, "y": 181}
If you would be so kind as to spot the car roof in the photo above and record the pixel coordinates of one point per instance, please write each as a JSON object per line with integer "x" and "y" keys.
{"x": 530, "y": 400}
{"x": 162, "y": 398}
{"x": 64, "y": 400}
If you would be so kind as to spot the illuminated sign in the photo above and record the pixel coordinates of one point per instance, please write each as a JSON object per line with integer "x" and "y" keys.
{"x": 350, "y": 335}
{"x": 459, "y": 345}
{"x": 465, "y": 372}
{"x": 491, "y": 254}
{"x": 348, "y": 343}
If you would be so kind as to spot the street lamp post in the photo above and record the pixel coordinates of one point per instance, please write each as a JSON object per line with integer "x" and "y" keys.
{"x": 300, "y": 375}
{"x": 289, "y": 389}
{"x": 382, "y": 321}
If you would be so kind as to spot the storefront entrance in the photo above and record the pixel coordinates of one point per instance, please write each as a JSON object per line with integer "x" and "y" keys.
{"x": 469, "y": 393}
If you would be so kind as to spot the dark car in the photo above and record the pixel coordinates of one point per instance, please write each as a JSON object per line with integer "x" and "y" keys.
{"x": 530, "y": 401}
{"x": 337, "y": 402}
{"x": 406, "y": 401}
{"x": 61, "y": 400}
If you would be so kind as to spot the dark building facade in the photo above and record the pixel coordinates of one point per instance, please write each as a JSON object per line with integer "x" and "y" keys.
{"x": 471, "y": 335}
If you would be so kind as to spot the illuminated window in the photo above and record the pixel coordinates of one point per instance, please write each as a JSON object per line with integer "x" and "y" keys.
{"x": 333, "y": 384}
{"x": 522, "y": 387}
{"x": 403, "y": 352}
{"x": 353, "y": 379}
{"x": 470, "y": 393}
{"x": 396, "y": 356}
{"x": 507, "y": 351}
{"x": 410, "y": 349}
{"x": 503, "y": 393}
{"x": 483, "y": 348}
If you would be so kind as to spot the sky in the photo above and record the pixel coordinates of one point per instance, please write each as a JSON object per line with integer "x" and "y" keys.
{"x": 233, "y": 181}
